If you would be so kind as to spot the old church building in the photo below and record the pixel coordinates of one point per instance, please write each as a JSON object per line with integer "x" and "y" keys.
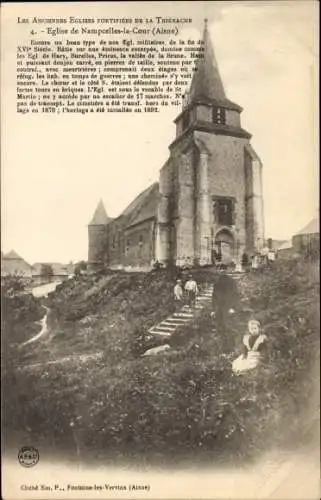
{"x": 208, "y": 201}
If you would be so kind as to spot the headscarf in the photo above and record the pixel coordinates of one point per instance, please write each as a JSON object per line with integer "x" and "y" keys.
{"x": 255, "y": 321}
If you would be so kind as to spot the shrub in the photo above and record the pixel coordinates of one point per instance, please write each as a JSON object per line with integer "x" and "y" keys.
{"x": 185, "y": 401}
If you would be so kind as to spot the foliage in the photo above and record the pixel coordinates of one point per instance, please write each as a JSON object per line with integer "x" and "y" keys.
{"x": 80, "y": 267}
{"x": 12, "y": 285}
{"x": 20, "y": 312}
{"x": 185, "y": 402}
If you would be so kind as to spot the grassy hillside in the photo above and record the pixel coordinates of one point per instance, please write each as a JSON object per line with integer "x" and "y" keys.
{"x": 185, "y": 402}
{"x": 108, "y": 311}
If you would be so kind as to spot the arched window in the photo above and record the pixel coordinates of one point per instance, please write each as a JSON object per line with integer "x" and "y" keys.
{"x": 224, "y": 211}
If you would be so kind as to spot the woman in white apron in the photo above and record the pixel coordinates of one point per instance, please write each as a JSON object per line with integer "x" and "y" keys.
{"x": 254, "y": 349}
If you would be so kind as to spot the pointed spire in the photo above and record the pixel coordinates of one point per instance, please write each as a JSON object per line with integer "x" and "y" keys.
{"x": 206, "y": 82}
{"x": 100, "y": 216}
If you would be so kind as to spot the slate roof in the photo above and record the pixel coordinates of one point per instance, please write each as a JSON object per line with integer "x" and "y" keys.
{"x": 12, "y": 255}
{"x": 100, "y": 216}
{"x": 58, "y": 268}
{"x": 143, "y": 207}
{"x": 276, "y": 244}
{"x": 286, "y": 245}
{"x": 312, "y": 228}
{"x": 207, "y": 83}
{"x": 251, "y": 151}
{"x": 12, "y": 263}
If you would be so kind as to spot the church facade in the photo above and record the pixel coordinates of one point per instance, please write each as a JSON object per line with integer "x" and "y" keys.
{"x": 208, "y": 203}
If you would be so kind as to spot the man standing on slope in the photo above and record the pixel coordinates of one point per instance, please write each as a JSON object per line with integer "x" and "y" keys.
{"x": 191, "y": 290}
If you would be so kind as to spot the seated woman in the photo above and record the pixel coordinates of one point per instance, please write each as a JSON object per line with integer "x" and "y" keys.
{"x": 254, "y": 348}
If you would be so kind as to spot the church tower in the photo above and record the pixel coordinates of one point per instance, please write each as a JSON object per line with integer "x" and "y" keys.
{"x": 97, "y": 235}
{"x": 211, "y": 202}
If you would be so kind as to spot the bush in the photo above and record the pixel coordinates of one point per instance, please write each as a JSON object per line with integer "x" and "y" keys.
{"x": 185, "y": 402}
{"x": 80, "y": 267}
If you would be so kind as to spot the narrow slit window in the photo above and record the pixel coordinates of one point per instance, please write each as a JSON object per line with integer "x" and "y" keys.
{"x": 219, "y": 117}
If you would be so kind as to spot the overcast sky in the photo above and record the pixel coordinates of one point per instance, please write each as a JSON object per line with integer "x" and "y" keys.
{"x": 56, "y": 168}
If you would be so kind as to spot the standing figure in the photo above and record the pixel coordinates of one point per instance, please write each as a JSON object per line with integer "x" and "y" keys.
{"x": 178, "y": 294}
{"x": 192, "y": 290}
{"x": 255, "y": 261}
{"x": 254, "y": 348}
{"x": 225, "y": 300}
{"x": 271, "y": 257}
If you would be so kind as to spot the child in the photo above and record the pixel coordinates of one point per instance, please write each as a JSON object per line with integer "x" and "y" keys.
{"x": 255, "y": 261}
{"x": 178, "y": 294}
{"x": 192, "y": 291}
{"x": 254, "y": 348}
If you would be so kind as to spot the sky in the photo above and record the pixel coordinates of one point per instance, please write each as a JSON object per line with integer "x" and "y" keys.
{"x": 54, "y": 169}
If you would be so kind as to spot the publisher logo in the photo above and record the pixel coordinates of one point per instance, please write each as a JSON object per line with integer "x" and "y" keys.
{"x": 28, "y": 456}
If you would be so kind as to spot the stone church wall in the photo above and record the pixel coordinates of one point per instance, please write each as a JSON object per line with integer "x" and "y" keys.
{"x": 97, "y": 244}
{"x": 139, "y": 244}
{"x": 131, "y": 247}
{"x": 182, "y": 214}
{"x": 226, "y": 175}
{"x": 254, "y": 200}
{"x": 250, "y": 243}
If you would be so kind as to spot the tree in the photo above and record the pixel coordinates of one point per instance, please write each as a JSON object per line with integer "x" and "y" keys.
{"x": 46, "y": 271}
{"x": 80, "y": 267}
{"x": 11, "y": 285}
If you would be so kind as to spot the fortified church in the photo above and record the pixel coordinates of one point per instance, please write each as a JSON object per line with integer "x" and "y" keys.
{"x": 208, "y": 201}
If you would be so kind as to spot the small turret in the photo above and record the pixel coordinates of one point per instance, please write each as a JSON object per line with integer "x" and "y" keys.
{"x": 100, "y": 216}
{"x": 98, "y": 236}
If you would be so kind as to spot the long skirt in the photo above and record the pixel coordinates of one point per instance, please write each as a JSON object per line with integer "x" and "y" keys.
{"x": 242, "y": 364}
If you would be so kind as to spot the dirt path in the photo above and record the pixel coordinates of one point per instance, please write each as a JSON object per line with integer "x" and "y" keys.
{"x": 44, "y": 328}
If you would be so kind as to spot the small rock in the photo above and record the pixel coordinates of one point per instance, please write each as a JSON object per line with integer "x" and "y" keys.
{"x": 156, "y": 350}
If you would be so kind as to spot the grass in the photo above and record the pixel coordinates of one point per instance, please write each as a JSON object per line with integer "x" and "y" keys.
{"x": 185, "y": 402}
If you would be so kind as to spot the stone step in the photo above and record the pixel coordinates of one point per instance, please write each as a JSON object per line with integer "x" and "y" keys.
{"x": 183, "y": 315}
{"x": 165, "y": 328}
{"x": 191, "y": 309}
{"x": 173, "y": 323}
{"x": 176, "y": 320}
{"x": 177, "y": 324}
{"x": 158, "y": 332}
